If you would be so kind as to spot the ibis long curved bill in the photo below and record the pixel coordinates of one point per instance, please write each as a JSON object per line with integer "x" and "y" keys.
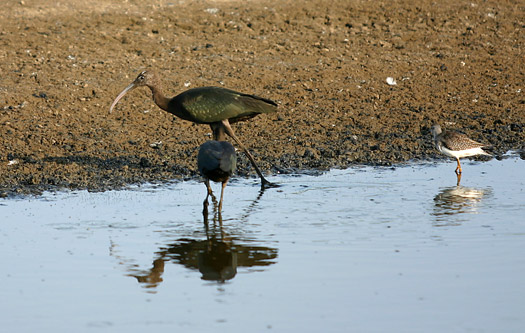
{"x": 124, "y": 92}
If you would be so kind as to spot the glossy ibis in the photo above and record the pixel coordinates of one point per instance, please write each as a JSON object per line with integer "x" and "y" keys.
{"x": 216, "y": 106}
{"x": 216, "y": 161}
{"x": 457, "y": 145}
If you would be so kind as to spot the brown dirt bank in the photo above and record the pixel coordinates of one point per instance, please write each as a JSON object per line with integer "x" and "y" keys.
{"x": 457, "y": 63}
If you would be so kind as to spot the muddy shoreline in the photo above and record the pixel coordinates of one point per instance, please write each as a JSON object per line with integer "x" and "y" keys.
{"x": 325, "y": 63}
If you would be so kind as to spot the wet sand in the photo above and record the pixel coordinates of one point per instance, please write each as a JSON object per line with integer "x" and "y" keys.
{"x": 325, "y": 63}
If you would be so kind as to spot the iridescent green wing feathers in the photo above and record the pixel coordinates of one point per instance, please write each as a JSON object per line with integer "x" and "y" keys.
{"x": 213, "y": 104}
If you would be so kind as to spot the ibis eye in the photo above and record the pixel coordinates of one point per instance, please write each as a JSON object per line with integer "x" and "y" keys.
{"x": 142, "y": 76}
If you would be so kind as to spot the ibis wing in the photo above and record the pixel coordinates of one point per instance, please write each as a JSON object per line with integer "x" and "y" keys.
{"x": 228, "y": 159}
{"x": 213, "y": 104}
{"x": 208, "y": 157}
{"x": 242, "y": 106}
{"x": 216, "y": 160}
{"x": 257, "y": 104}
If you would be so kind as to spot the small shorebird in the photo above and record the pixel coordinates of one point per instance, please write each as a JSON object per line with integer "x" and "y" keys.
{"x": 457, "y": 145}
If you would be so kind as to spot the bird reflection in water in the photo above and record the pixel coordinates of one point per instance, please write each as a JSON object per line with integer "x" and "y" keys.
{"x": 217, "y": 261}
{"x": 216, "y": 257}
{"x": 456, "y": 200}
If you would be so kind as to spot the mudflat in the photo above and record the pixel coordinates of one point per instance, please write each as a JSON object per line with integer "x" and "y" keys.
{"x": 326, "y": 63}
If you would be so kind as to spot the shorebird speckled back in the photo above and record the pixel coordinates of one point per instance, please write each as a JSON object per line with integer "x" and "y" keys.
{"x": 456, "y": 145}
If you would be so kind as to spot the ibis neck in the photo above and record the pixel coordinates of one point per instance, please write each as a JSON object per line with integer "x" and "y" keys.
{"x": 159, "y": 98}
{"x": 218, "y": 130}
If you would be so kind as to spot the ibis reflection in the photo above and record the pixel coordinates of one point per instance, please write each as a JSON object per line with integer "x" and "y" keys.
{"x": 217, "y": 257}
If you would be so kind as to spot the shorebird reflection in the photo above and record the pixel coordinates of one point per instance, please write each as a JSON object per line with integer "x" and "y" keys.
{"x": 457, "y": 200}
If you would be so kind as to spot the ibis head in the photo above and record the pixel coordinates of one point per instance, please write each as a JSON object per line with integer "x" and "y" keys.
{"x": 144, "y": 79}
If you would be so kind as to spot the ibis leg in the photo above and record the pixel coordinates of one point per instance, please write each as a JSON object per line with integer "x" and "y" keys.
{"x": 205, "y": 203}
{"x": 222, "y": 194}
{"x": 208, "y": 187}
{"x": 229, "y": 131}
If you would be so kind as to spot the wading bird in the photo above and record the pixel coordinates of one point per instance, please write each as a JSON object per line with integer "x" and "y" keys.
{"x": 216, "y": 161}
{"x": 457, "y": 145}
{"x": 218, "y": 107}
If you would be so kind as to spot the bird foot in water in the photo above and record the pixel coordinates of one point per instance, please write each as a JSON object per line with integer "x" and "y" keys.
{"x": 266, "y": 184}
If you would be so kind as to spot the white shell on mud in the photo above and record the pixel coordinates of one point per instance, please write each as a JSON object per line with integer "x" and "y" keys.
{"x": 391, "y": 81}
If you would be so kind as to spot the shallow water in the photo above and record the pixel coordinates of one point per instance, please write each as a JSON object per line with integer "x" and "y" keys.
{"x": 360, "y": 250}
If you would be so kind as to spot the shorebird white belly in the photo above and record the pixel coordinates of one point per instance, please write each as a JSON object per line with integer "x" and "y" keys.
{"x": 462, "y": 153}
